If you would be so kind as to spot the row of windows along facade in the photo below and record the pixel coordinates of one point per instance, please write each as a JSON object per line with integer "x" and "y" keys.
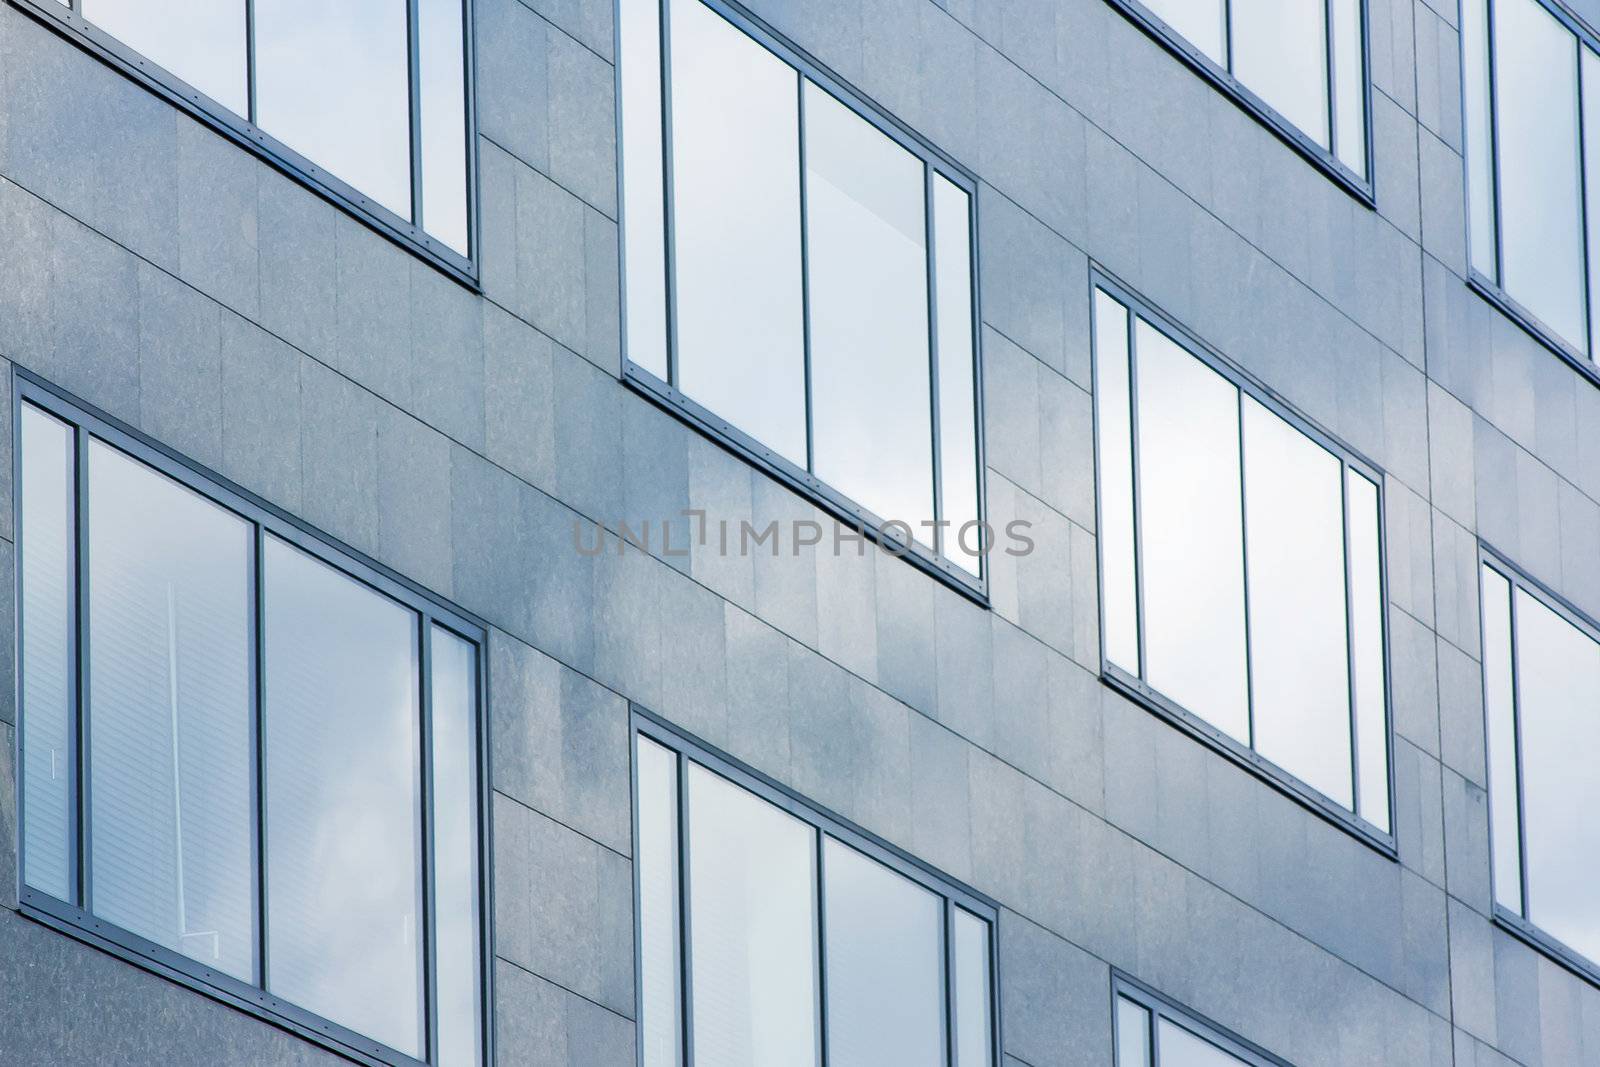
{"x": 799, "y": 275}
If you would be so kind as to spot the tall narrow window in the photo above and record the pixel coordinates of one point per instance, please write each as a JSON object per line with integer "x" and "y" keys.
{"x": 1262, "y": 627}
{"x": 1531, "y": 99}
{"x": 1541, "y": 664}
{"x": 1300, "y": 64}
{"x": 267, "y": 780}
{"x": 1152, "y": 1031}
{"x": 367, "y": 100}
{"x": 795, "y": 934}
{"x": 798, "y": 277}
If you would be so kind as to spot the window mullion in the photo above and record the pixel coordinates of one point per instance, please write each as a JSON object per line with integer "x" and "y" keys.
{"x": 821, "y": 962}
{"x": 1244, "y": 570}
{"x": 805, "y": 273}
{"x": 250, "y": 60}
{"x": 414, "y": 80}
{"x": 258, "y": 701}
{"x": 1138, "y": 510}
{"x": 429, "y": 927}
{"x": 1330, "y": 76}
{"x": 1494, "y": 136}
{"x": 931, "y": 261}
{"x": 81, "y": 768}
{"x": 1349, "y": 640}
{"x": 669, "y": 235}
{"x": 685, "y": 954}
{"x": 1516, "y": 734}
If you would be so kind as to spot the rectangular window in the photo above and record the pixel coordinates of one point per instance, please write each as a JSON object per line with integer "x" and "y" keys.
{"x": 769, "y": 932}
{"x": 1300, "y": 65}
{"x": 367, "y": 101}
{"x": 1152, "y": 1031}
{"x": 798, "y": 277}
{"x": 246, "y": 759}
{"x": 1541, "y": 686}
{"x": 1531, "y": 100}
{"x": 1261, "y": 625}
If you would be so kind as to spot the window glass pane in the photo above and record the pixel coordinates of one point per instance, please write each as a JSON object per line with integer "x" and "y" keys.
{"x": 202, "y": 43}
{"x": 885, "y": 964}
{"x": 1349, "y": 86}
{"x": 973, "y": 1000}
{"x": 332, "y": 83}
{"x": 1537, "y": 107}
{"x": 1114, "y": 427}
{"x": 455, "y": 849}
{"x": 1591, "y": 182}
{"x": 736, "y": 212}
{"x": 1133, "y": 1034}
{"x": 958, "y": 426}
{"x": 1299, "y": 666}
{"x": 1198, "y": 21}
{"x": 1480, "y": 144}
{"x": 442, "y": 58}
{"x": 1280, "y": 52}
{"x": 1505, "y": 834}
{"x": 644, "y": 252}
{"x": 1180, "y": 1048}
{"x": 1558, "y": 682}
{"x": 1194, "y": 585}
{"x": 48, "y": 672}
{"x": 658, "y": 905}
{"x": 867, "y": 264}
{"x": 1366, "y": 647}
{"x": 753, "y": 929}
{"x": 169, "y": 696}
{"x": 344, "y": 880}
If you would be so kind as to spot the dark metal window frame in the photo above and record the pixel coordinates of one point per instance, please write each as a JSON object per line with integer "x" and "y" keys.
{"x": 241, "y": 130}
{"x": 1514, "y": 922}
{"x": 666, "y": 394}
{"x": 1136, "y": 688}
{"x": 823, "y": 824}
{"x": 1489, "y": 288}
{"x": 77, "y": 920}
{"x": 1161, "y": 1007}
{"x": 1360, "y": 186}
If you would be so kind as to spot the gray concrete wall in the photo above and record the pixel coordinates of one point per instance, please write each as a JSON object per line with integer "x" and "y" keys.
{"x": 185, "y": 287}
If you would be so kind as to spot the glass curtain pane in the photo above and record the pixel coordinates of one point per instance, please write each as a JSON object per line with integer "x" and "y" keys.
{"x": 958, "y": 419}
{"x": 1558, "y": 686}
{"x": 1366, "y": 647}
{"x": 48, "y": 669}
{"x": 1541, "y": 226}
{"x": 1133, "y": 1034}
{"x": 442, "y": 62}
{"x": 1194, "y": 585}
{"x": 333, "y": 83}
{"x": 868, "y": 268}
{"x": 344, "y": 866}
{"x": 170, "y": 577}
{"x": 455, "y": 848}
{"x": 644, "y": 254}
{"x": 1505, "y": 831}
{"x": 202, "y": 43}
{"x": 1280, "y": 52}
{"x": 1591, "y": 185}
{"x": 1299, "y": 666}
{"x": 1178, "y": 1047}
{"x": 1200, "y": 22}
{"x": 885, "y": 964}
{"x": 736, "y": 227}
{"x": 1480, "y": 137}
{"x": 974, "y": 1042}
{"x": 1349, "y": 86}
{"x": 1114, "y": 427}
{"x": 659, "y": 965}
{"x": 753, "y": 929}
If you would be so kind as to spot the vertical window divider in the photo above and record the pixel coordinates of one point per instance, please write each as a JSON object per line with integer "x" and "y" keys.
{"x": 1583, "y": 204}
{"x": 414, "y": 81}
{"x": 250, "y": 61}
{"x": 81, "y": 758}
{"x": 669, "y": 228}
{"x": 1138, "y": 503}
{"x": 1330, "y": 77}
{"x": 428, "y": 927}
{"x": 686, "y": 942}
{"x": 258, "y": 778}
{"x": 1227, "y": 35}
{"x": 1244, "y": 571}
{"x": 821, "y": 962}
{"x": 1516, "y": 733}
{"x": 947, "y": 962}
{"x": 805, "y": 271}
{"x": 1350, "y": 640}
{"x": 1493, "y": 74}
{"x": 932, "y": 263}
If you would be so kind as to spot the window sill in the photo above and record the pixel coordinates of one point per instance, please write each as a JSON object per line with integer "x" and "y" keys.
{"x": 1546, "y": 945}
{"x": 83, "y": 927}
{"x": 1530, "y": 324}
{"x": 1359, "y": 187}
{"x": 1252, "y": 761}
{"x": 264, "y": 146}
{"x": 802, "y": 482}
